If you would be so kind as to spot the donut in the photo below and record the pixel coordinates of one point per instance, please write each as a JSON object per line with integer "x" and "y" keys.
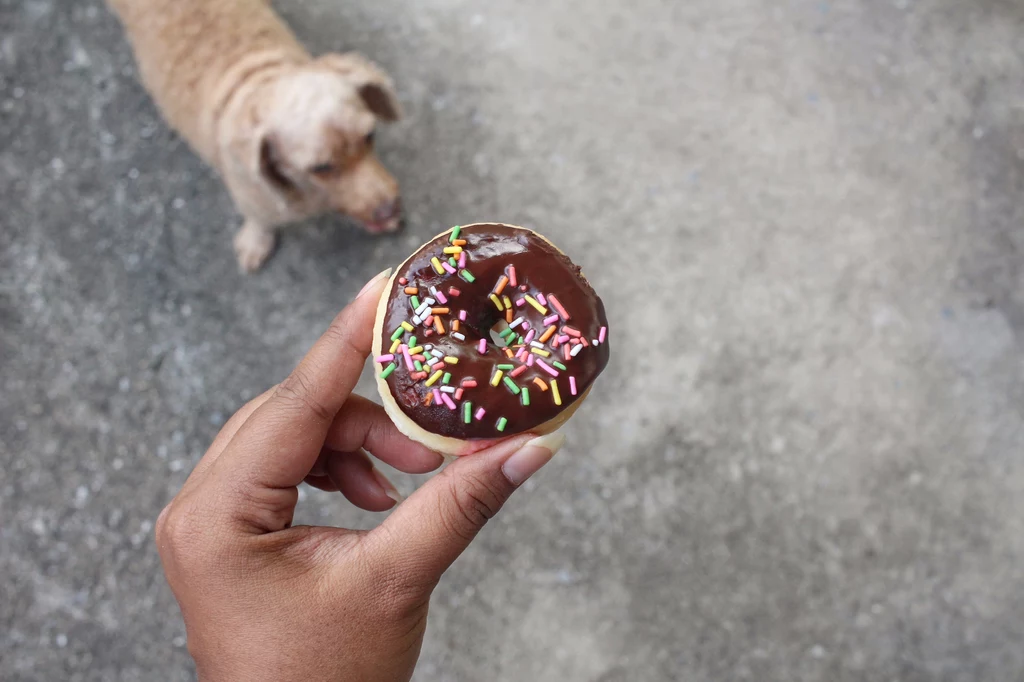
{"x": 486, "y": 331}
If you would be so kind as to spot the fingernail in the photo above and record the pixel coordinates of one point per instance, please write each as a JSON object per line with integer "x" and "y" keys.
{"x": 389, "y": 488}
{"x": 531, "y": 457}
{"x": 369, "y": 285}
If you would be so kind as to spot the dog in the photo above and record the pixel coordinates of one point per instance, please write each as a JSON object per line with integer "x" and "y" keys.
{"x": 291, "y": 135}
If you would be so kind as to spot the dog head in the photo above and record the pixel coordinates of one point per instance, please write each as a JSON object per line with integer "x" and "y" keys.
{"x": 315, "y": 144}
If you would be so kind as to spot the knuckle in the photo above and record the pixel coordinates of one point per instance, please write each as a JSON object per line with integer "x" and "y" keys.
{"x": 472, "y": 502}
{"x": 299, "y": 389}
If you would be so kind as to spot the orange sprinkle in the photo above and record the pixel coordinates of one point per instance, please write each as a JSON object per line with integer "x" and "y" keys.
{"x": 429, "y": 399}
{"x": 438, "y": 326}
{"x": 412, "y": 291}
{"x": 547, "y": 334}
{"x": 508, "y": 352}
{"x": 540, "y": 383}
{"x": 439, "y": 311}
{"x": 500, "y": 286}
{"x": 458, "y": 242}
{"x": 508, "y": 315}
{"x": 455, "y": 325}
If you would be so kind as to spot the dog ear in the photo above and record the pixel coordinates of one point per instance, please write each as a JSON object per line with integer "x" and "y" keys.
{"x": 375, "y": 87}
{"x": 269, "y": 164}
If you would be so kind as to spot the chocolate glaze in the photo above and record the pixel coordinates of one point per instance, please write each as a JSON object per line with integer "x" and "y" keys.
{"x": 541, "y": 269}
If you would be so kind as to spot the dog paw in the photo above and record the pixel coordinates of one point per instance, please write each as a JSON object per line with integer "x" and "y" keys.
{"x": 252, "y": 247}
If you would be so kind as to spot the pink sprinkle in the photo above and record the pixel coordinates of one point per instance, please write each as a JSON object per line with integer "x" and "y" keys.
{"x": 518, "y": 370}
{"x": 462, "y": 315}
{"x": 447, "y": 401}
{"x": 547, "y": 368}
{"x": 521, "y": 353}
{"x": 458, "y": 393}
{"x": 437, "y": 365}
{"x": 452, "y": 291}
{"x": 408, "y": 358}
{"x": 512, "y": 275}
{"x": 529, "y": 359}
{"x": 441, "y": 297}
{"x": 523, "y": 287}
{"x": 462, "y": 260}
{"x": 480, "y": 414}
{"x": 554, "y": 343}
{"x": 403, "y": 281}
{"x": 468, "y": 383}
{"x": 421, "y": 358}
{"x": 526, "y": 326}
{"x": 520, "y": 302}
{"x": 429, "y": 321}
{"x": 550, "y": 320}
{"x": 572, "y": 385}
{"x": 565, "y": 352}
{"x": 437, "y": 397}
{"x": 564, "y": 338}
{"x": 571, "y": 331}
{"x": 482, "y": 347}
{"x": 529, "y": 337}
{"x": 557, "y": 305}
{"x": 602, "y": 334}
{"x": 384, "y": 359}
{"x": 541, "y": 299}
{"x": 451, "y": 271}
{"x": 584, "y": 341}
{"x": 429, "y": 332}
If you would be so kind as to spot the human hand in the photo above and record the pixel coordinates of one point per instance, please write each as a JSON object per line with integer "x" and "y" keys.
{"x": 263, "y": 600}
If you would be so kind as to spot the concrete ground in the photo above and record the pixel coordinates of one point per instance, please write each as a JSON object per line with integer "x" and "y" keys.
{"x": 806, "y": 461}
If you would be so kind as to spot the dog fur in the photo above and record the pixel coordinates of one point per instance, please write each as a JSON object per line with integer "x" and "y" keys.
{"x": 292, "y": 136}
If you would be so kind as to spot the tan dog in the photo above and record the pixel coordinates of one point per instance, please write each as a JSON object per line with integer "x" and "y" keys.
{"x": 292, "y": 136}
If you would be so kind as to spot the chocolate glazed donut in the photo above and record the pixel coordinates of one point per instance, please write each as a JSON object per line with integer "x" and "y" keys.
{"x": 488, "y": 330}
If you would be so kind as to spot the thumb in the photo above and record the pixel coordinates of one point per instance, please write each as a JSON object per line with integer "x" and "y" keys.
{"x": 427, "y": 532}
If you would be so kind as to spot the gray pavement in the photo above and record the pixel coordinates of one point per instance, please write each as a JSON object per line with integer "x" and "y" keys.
{"x": 806, "y": 461}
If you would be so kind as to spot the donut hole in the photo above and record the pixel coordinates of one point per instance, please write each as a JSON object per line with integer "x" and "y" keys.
{"x": 495, "y": 332}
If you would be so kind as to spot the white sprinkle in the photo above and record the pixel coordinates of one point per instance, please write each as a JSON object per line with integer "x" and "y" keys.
{"x": 422, "y": 308}
{"x": 429, "y": 301}
{"x": 537, "y": 344}
{"x": 436, "y": 353}
{"x": 428, "y": 346}
{"x": 447, "y": 389}
{"x": 460, "y": 337}
{"x": 417, "y": 320}
{"x": 576, "y": 350}
{"x": 515, "y": 323}
{"x": 433, "y": 290}
{"x": 596, "y": 342}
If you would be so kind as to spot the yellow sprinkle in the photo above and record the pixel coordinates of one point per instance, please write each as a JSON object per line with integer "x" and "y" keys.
{"x": 497, "y": 377}
{"x": 540, "y": 351}
{"x": 433, "y": 379}
{"x": 508, "y": 303}
{"x": 532, "y": 301}
{"x": 415, "y": 351}
{"x": 395, "y": 345}
{"x": 407, "y": 327}
{"x": 496, "y": 302}
{"x": 437, "y": 265}
{"x": 451, "y": 360}
{"x": 554, "y": 392}
{"x": 455, "y": 250}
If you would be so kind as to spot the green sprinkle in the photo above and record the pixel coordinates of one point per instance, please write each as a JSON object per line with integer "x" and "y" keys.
{"x": 388, "y": 370}
{"x": 505, "y": 333}
{"x": 520, "y": 339}
{"x": 446, "y": 378}
{"x": 414, "y": 301}
{"x": 419, "y": 365}
{"x": 511, "y": 386}
{"x": 557, "y": 364}
{"x": 398, "y": 334}
{"x": 467, "y": 275}
{"x": 526, "y": 396}
{"x": 455, "y": 233}
{"x": 506, "y": 367}
{"x": 412, "y": 342}
{"x": 501, "y": 424}
{"x": 452, "y": 262}
{"x": 467, "y": 410}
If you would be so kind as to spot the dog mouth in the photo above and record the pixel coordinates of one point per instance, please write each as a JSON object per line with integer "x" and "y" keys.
{"x": 383, "y": 226}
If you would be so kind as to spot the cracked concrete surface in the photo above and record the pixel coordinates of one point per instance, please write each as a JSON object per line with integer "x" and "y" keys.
{"x": 806, "y": 221}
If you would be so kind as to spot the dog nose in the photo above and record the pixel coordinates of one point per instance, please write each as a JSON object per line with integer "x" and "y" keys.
{"x": 388, "y": 211}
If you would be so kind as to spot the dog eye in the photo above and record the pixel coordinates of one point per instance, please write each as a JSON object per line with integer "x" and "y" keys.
{"x": 322, "y": 169}
{"x": 370, "y": 138}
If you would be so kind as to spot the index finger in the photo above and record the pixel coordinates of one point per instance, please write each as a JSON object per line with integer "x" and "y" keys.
{"x": 279, "y": 443}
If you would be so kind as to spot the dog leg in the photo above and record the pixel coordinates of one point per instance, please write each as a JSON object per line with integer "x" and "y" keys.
{"x": 253, "y": 245}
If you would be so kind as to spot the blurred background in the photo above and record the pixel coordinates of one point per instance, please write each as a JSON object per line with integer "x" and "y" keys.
{"x": 806, "y": 461}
